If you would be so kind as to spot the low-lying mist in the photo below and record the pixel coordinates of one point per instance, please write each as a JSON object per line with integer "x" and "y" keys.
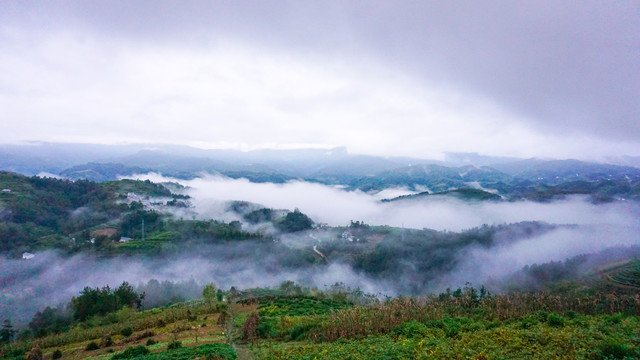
{"x": 52, "y": 278}
{"x": 337, "y": 207}
{"x": 478, "y": 264}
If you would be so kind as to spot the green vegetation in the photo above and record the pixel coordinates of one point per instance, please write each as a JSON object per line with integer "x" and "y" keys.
{"x": 294, "y": 221}
{"x": 45, "y": 213}
{"x": 146, "y": 188}
{"x": 465, "y": 194}
{"x": 628, "y": 275}
{"x": 463, "y": 324}
{"x": 36, "y": 212}
{"x": 290, "y": 317}
{"x": 131, "y": 352}
{"x": 7, "y": 332}
{"x": 550, "y": 310}
{"x": 579, "y": 321}
{"x": 92, "y": 302}
{"x": 259, "y": 216}
{"x": 57, "y": 354}
{"x": 50, "y": 321}
{"x": 208, "y": 351}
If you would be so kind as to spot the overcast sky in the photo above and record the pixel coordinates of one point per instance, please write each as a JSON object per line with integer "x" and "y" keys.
{"x": 534, "y": 78}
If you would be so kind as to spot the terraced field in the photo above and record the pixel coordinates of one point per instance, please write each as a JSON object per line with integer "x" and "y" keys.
{"x": 627, "y": 275}
{"x": 183, "y": 331}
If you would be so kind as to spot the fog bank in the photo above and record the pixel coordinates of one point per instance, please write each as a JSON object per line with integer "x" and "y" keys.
{"x": 338, "y": 207}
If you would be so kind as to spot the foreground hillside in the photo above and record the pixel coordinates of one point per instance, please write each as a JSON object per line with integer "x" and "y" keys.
{"x": 594, "y": 319}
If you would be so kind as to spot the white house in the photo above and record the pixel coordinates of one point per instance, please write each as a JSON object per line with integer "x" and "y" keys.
{"x": 347, "y": 236}
{"x": 28, "y": 256}
{"x": 125, "y": 239}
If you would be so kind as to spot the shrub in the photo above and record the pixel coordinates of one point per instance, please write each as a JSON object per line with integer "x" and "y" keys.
{"x": 92, "y": 346}
{"x": 131, "y": 353}
{"x": 56, "y": 354}
{"x": 555, "y": 320}
{"x": 249, "y": 329}
{"x": 127, "y": 331}
{"x": 106, "y": 341}
{"x": 614, "y": 318}
{"x": 299, "y": 331}
{"x": 174, "y": 345}
{"x": 223, "y": 318}
{"x": 35, "y": 354}
{"x": 451, "y": 327}
{"x": 213, "y": 357}
{"x": 221, "y": 307}
{"x": 571, "y": 314}
{"x": 615, "y": 350}
{"x": 266, "y": 330}
{"x": 144, "y": 334}
{"x": 411, "y": 329}
{"x": 151, "y": 342}
{"x": 528, "y": 322}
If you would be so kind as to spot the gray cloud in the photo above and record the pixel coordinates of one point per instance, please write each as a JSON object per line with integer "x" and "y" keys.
{"x": 464, "y": 76}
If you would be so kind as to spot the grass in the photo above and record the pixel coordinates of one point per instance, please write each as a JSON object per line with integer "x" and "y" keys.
{"x": 573, "y": 323}
{"x": 584, "y": 337}
{"x": 213, "y": 351}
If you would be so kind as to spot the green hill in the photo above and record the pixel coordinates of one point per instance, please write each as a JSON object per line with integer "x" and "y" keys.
{"x": 465, "y": 194}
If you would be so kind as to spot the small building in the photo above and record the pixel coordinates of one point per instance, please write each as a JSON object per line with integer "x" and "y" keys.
{"x": 321, "y": 226}
{"x": 108, "y": 232}
{"x": 124, "y": 239}
{"x": 347, "y": 236}
{"x": 133, "y": 197}
{"x": 6, "y": 190}
{"x": 28, "y": 256}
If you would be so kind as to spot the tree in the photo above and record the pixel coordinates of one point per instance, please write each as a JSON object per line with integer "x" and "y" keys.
{"x": 295, "y": 221}
{"x": 103, "y": 301}
{"x": 126, "y": 296}
{"x": 7, "y": 332}
{"x": 290, "y": 288}
{"x": 209, "y": 294}
{"x": 49, "y": 320}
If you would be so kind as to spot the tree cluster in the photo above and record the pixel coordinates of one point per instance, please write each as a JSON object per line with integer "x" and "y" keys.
{"x": 295, "y": 221}
{"x": 101, "y": 301}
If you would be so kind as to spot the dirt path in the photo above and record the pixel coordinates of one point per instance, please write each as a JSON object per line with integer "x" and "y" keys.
{"x": 241, "y": 350}
{"x": 315, "y": 249}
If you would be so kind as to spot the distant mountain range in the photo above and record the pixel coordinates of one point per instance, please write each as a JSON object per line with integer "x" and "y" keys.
{"x": 509, "y": 177}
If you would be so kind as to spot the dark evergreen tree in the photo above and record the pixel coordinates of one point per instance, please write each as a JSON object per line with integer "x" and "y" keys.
{"x": 7, "y": 332}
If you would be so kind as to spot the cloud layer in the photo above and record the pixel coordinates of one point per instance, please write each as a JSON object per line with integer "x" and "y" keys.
{"x": 338, "y": 207}
{"x": 417, "y": 78}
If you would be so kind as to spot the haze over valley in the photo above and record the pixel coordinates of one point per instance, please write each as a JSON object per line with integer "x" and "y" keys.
{"x": 319, "y": 180}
